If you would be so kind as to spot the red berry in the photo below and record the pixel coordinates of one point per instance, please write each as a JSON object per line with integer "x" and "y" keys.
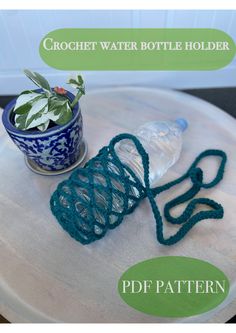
{"x": 60, "y": 91}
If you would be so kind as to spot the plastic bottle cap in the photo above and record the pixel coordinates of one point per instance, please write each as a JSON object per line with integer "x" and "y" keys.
{"x": 183, "y": 124}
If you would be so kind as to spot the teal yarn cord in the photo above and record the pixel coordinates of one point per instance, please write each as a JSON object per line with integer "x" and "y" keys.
{"x": 84, "y": 203}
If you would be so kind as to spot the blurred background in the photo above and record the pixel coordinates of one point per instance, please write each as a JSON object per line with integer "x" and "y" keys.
{"x": 22, "y": 30}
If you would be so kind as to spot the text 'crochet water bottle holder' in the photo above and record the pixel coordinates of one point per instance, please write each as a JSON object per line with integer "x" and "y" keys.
{"x": 76, "y": 203}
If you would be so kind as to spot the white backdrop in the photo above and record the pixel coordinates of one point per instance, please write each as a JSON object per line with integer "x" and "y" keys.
{"x": 22, "y": 30}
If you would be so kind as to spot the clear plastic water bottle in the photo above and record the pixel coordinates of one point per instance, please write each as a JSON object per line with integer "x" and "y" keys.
{"x": 162, "y": 140}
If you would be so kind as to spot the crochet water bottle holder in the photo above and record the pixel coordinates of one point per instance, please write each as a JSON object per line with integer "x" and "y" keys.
{"x": 76, "y": 203}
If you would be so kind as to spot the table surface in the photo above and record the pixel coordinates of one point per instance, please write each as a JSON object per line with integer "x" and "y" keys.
{"x": 48, "y": 276}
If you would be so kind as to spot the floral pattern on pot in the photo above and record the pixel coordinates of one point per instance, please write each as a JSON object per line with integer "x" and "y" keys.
{"x": 54, "y": 149}
{"x": 54, "y": 152}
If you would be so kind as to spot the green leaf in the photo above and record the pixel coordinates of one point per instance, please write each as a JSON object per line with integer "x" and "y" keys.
{"x": 77, "y": 83}
{"x": 38, "y": 79}
{"x": 72, "y": 81}
{"x": 54, "y": 114}
{"x": 57, "y": 100}
{"x": 56, "y": 106}
{"x": 25, "y": 98}
{"x": 27, "y": 92}
{"x": 62, "y": 98}
{"x": 58, "y": 110}
{"x": 20, "y": 121}
{"x": 65, "y": 115}
{"x": 39, "y": 119}
{"x": 44, "y": 126}
{"x": 80, "y": 80}
{"x": 37, "y": 114}
{"x": 23, "y": 108}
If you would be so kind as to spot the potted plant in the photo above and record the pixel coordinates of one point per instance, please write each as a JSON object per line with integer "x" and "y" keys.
{"x": 46, "y": 123}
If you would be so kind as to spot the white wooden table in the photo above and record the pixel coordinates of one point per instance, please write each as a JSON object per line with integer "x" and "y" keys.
{"x": 46, "y": 276}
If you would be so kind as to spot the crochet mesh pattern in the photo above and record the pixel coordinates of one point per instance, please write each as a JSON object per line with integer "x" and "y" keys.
{"x": 84, "y": 204}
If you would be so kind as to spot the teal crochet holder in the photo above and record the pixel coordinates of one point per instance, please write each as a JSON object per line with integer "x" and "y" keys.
{"x": 84, "y": 203}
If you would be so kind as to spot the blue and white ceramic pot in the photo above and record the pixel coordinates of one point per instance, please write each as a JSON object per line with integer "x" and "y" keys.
{"x": 55, "y": 149}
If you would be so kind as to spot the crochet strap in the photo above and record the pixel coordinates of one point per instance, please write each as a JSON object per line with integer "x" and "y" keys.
{"x": 196, "y": 175}
{"x": 106, "y": 182}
